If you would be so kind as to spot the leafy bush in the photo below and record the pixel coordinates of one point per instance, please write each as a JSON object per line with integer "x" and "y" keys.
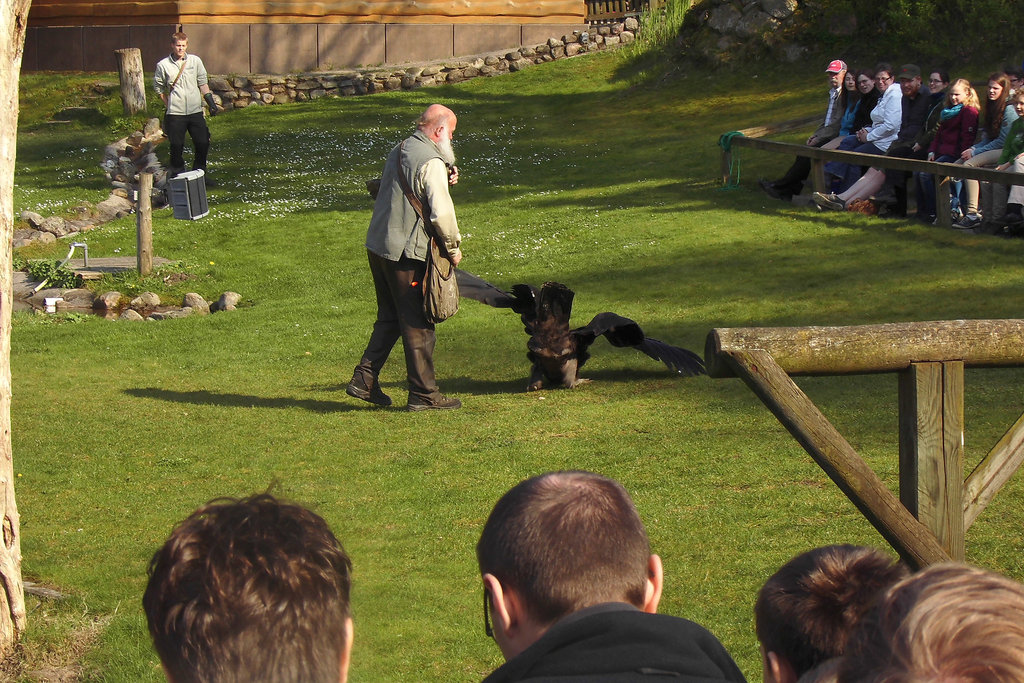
{"x": 51, "y": 271}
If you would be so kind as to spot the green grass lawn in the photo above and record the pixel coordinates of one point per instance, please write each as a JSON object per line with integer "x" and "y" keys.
{"x": 568, "y": 173}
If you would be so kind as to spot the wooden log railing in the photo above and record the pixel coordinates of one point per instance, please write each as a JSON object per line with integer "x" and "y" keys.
{"x": 610, "y": 10}
{"x": 936, "y": 506}
{"x": 942, "y": 171}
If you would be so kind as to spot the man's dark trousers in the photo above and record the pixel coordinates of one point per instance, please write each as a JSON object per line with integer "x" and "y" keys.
{"x": 175, "y": 126}
{"x": 398, "y": 285}
{"x": 897, "y": 180}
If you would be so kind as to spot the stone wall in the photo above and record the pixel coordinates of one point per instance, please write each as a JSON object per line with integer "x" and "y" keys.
{"x": 237, "y": 92}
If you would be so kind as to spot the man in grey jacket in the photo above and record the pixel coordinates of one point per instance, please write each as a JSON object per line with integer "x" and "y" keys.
{"x": 396, "y": 245}
{"x": 181, "y": 81}
{"x": 792, "y": 182}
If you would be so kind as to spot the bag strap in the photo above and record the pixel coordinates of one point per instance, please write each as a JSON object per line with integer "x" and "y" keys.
{"x": 428, "y": 227}
{"x": 181, "y": 70}
{"x": 170, "y": 89}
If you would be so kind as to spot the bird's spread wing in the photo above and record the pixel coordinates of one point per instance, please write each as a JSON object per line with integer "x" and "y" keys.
{"x": 479, "y": 289}
{"x": 621, "y": 331}
{"x": 523, "y": 299}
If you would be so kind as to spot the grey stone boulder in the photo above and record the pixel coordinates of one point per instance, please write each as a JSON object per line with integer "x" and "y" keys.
{"x": 77, "y": 298}
{"x": 108, "y": 301}
{"x": 145, "y": 300}
{"x": 55, "y": 225}
{"x": 724, "y": 18}
{"x": 219, "y": 84}
{"x": 228, "y": 301}
{"x": 755, "y": 23}
{"x": 780, "y": 9}
{"x": 197, "y": 303}
{"x": 113, "y": 207}
{"x": 130, "y": 315}
{"x": 39, "y": 298}
{"x": 32, "y": 218}
{"x": 78, "y": 226}
{"x": 170, "y": 315}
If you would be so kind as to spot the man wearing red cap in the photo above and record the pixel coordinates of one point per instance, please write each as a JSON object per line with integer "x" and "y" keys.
{"x": 792, "y": 182}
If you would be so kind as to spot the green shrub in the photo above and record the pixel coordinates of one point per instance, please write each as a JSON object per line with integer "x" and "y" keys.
{"x": 52, "y": 272}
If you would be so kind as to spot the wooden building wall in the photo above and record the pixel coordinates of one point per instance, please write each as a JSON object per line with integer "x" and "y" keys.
{"x": 115, "y": 12}
{"x": 288, "y": 36}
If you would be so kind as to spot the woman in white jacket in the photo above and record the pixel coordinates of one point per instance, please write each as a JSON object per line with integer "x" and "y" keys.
{"x": 875, "y": 138}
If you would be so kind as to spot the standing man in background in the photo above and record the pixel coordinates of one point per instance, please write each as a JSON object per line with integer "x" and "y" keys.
{"x": 181, "y": 82}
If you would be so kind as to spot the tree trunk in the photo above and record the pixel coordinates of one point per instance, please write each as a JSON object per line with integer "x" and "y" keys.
{"x": 13, "y": 23}
{"x": 133, "y": 86}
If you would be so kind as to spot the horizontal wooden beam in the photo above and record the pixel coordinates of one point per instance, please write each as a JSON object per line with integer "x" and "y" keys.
{"x": 863, "y": 349}
{"x": 881, "y": 161}
{"x": 780, "y": 127}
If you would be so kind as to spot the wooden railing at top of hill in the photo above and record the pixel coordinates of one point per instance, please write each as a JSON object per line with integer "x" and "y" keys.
{"x": 610, "y": 10}
{"x": 942, "y": 171}
{"x": 926, "y": 524}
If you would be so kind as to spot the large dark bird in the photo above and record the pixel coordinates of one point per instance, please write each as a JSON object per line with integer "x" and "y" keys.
{"x": 556, "y": 352}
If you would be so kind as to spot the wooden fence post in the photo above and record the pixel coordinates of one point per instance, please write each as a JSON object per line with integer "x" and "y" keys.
{"x": 943, "y": 208}
{"x": 818, "y": 175}
{"x": 133, "y": 88}
{"x": 931, "y": 433}
{"x": 836, "y": 457}
{"x": 144, "y": 224}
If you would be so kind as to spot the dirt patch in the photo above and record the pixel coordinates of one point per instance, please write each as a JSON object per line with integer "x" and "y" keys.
{"x": 175, "y": 278}
{"x": 59, "y": 662}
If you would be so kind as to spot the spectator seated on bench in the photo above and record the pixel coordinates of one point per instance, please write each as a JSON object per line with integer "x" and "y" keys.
{"x": 914, "y": 107}
{"x": 792, "y": 182}
{"x": 873, "y": 139}
{"x": 995, "y": 125}
{"x": 958, "y": 127}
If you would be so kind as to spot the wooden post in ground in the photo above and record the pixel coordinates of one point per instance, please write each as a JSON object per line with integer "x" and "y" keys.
{"x": 818, "y": 175}
{"x": 931, "y": 400}
{"x": 144, "y": 224}
{"x": 133, "y": 85}
{"x": 943, "y": 208}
